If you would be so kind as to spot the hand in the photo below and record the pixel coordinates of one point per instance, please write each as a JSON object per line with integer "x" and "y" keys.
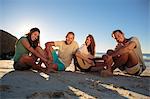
{"x": 89, "y": 61}
{"x": 47, "y": 44}
{"x": 90, "y": 56}
{"x": 119, "y": 45}
{"x": 44, "y": 60}
{"x": 107, "y": 59}
{"x": 49, "y": 62}
{"x": 50, "y": 59}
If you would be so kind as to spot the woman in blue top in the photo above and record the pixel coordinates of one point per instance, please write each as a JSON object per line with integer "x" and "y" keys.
{"x": 28, "y": 51}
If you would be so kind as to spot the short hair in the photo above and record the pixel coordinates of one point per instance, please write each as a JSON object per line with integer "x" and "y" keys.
{"x": 70, "y": 33}
{"x": 115, "y": 32}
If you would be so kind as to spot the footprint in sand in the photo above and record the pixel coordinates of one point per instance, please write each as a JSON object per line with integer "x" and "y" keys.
{"x": 46, "y": 95}
{"x": 4, "y": 87}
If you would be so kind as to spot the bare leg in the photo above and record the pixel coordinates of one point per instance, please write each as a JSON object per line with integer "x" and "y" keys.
{"x": 132, "y": 59}
{"x": 50, "y": 67}
{"x": 120, "y": 61}
{"x": 41, "y": 51}
{"x": 98, "y": 66}
{"x": 48, "y": 52}
{"x": 129, "y": 59}
{"x": 108, "y": 61}
{"x": 28, "y": 60}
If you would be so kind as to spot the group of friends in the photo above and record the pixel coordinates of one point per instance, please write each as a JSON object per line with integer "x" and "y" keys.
{"x": 127, "y": 55}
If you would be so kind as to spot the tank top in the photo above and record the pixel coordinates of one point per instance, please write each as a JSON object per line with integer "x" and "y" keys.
{"x": 20, "y": 49}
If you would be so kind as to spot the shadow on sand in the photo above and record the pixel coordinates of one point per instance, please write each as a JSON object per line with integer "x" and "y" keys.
{"x": 66, "y": 85}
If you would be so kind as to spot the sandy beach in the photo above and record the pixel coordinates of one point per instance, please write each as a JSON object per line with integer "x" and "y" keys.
{"x": 71, "y": 85}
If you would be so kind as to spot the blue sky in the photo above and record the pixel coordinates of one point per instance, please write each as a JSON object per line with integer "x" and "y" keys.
{"x": 97, "y": 17}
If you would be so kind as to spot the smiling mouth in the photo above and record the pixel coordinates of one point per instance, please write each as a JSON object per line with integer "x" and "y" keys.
{"x": 33, "y": 39}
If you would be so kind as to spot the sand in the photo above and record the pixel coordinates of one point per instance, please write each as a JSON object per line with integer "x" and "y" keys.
{"x": 71, "y": 85}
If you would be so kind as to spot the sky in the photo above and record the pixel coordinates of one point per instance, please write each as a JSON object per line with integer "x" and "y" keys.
{"x": 55, "y": 18}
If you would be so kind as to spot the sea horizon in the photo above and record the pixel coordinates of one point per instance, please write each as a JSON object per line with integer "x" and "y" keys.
{"x": 146, "y": 57}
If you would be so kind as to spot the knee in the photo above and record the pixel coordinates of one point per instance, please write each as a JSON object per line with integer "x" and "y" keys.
{"x": 110, "y": 51}
{"x": 25, "y": 58}
{"x": 50, "y": 48}
{"x": 38, "y": 48}
{"x": 104, "y": 57}
{"x": 107, "y": 58}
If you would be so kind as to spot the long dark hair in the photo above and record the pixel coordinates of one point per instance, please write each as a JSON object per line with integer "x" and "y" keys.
{"x": 35, "y": 43}
{"x": 91, "y": 47}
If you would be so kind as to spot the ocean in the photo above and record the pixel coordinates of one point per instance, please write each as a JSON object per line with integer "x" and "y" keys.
{"x": 145, "y": 56}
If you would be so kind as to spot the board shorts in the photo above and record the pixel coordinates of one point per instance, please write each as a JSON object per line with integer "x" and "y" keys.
{"x": 58, "y": 61}
{"x": 135, "y": 70}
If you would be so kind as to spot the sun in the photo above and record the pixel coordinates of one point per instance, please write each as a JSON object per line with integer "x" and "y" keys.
{"x": 25, "y": 27}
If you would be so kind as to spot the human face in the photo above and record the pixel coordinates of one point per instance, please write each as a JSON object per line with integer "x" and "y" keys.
{"x": 119, "y": 37}
{"x": 34, "y": 36}
{"x": 88, "y": 41}
{"x": 69, "y": 39}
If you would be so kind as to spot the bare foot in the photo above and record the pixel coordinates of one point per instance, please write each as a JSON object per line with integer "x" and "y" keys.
{"x": 50, "y": 69}
{"x": 106, "y": 73}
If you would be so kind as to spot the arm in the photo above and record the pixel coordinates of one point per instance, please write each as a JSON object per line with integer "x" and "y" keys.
{"x": 84, "y": 57}
{"x": 49, "y": 50}
{"x": 48, "y": 44}
{"x": 118, "y": 46}
{"x": 125, "y": 49}
{"x": 27, "y": 45}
